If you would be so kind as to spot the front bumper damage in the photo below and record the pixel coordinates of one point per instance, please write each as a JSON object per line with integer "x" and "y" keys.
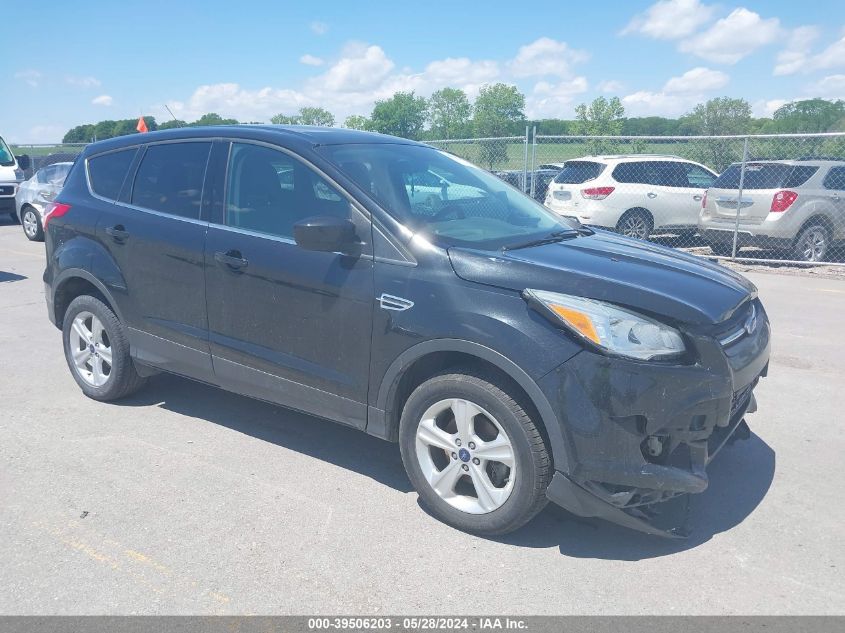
{"x": 641, "y": 435}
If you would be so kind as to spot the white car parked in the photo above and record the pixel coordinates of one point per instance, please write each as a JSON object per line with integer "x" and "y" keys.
{"x": 797, "y": 206}
{"x": 634, "y": 195}
{"x": 36, "y": 194}
{"x": 11, "y": 175}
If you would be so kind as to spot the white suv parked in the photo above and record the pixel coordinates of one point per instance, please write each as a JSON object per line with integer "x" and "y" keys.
{"x": 634, "y": 195}
{"x": 793, "y": 205}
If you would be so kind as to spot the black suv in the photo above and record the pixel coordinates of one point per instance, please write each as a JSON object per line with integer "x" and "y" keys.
{"x": 515, "y": 357}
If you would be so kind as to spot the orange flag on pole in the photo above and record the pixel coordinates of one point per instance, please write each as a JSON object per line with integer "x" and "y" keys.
{"x": 142, "y": 125}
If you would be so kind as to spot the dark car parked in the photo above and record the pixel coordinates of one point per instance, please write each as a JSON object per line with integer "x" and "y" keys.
{"x": 542, "y": 178}
{"x": 514, "y": 357}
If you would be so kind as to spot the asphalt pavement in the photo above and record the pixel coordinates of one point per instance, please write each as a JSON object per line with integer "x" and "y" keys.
{"x": 189, "y": 500}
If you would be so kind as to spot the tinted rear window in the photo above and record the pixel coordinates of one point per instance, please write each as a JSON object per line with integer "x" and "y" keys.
{"x": 835, "y": 179}
{"x": 108, "y": 171}
{"x": 577, "y": 171}
{"x": 170, "y": 178}
{"x": 765, "y": 176}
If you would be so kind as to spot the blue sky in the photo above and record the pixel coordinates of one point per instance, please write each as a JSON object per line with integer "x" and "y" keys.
{"x": 92, "y": 59}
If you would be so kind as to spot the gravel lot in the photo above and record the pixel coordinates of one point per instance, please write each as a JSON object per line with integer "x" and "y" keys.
{"x": 189, "y": 500}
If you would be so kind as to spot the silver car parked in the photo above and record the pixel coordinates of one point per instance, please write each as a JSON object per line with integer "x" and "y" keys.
{"x": 35, "y": 195}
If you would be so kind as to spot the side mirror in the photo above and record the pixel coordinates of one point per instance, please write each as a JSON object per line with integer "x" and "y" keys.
{"x": 24, "y": 161}
{"x": 325, "y": 233}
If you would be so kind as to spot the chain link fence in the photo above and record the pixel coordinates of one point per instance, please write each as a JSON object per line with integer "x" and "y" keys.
{"x": 766, "y": 198}
{"x": 41, "y": 155}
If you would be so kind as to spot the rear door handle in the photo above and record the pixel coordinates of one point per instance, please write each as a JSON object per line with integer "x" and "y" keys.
{"x": 232, "y": 259}
{"x": 696, "y": 197}
{"x": 118, "y": 233}
{"x": 651, "y": 194}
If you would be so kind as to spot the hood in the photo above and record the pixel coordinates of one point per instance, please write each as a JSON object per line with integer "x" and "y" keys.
{"x": 7, "y": 174}
{"x": 628, "y": 272}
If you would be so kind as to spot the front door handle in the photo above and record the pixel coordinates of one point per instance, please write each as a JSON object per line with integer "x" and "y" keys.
{"x": 118, "y": 233}
{"x": 651, "y": 194}
{"x": 232, "y": 259}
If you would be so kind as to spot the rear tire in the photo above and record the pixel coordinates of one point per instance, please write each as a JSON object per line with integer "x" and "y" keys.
{"x": 812, "y": 243}
{"x": 724, "y": 249}
{"x": 97, "y": 350}
{"x": 636, "y": 223}
{"x": 31, "y": 223}
{"x": 461, "y": 458}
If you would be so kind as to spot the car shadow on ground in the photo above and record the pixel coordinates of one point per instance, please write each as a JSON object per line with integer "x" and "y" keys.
{"x": 328, "y": 441}
{"x": 740, "y": 475}
{"x": 7, "y": 276}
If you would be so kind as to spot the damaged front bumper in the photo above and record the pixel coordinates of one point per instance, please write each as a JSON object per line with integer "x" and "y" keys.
{"x": 640, "y": 435}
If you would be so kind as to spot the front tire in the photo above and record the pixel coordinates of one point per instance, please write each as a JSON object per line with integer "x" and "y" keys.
{"x": 97, "y": 350}
{"x": 473, "y": 453}
{"x": 31, "y": 223}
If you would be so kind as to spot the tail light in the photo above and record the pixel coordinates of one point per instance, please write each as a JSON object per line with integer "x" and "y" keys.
{"x": 782, "y": 200}
{"x": 704, "y": 201}
{"x": 55, "y": 210}
{"x": 596, "y": 193}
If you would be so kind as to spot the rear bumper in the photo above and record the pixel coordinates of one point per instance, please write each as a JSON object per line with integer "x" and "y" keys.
{"x": 744, "y": 237}
{"x": 617, "y": 413}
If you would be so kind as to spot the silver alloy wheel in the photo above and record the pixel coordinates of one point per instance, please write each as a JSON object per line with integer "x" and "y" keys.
{"x": 634, "y": 225}
{"x": 30, "y": 223}
{"x": 813, "y": 244}
{"x": 90, "y": 349}
{"x": 466, "y": 456}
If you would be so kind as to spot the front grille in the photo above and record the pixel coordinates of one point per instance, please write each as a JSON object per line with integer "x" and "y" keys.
{"x": 7, "y": 190}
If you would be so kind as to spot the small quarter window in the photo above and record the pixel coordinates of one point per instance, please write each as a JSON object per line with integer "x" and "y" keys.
{"x": 107, "y": 172}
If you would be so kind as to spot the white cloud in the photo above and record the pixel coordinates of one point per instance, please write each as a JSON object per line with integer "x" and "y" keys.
{"x": 319, "y": 28}
{"x": 733, "y": 37}
{"x": 553, "y": 101}
{"x": 610, "y": 86}
{"x": 546, "y": 56}
{"x": 30, "y": 77}
{"x": 766, "y": 108}
{"x": 361, "y": 68}
{"x": 830, "y": 87}
{"x": 679, "y": 94}
{"x": 797, "y": 56}
{"x": 82, "y": 82}
{"x": 103, "y": 100}
{"x": 791, "y": 59}
{"x": 670, "y": 19}
{"x": 697, "y": 81}
{"x": 311, "y": 60}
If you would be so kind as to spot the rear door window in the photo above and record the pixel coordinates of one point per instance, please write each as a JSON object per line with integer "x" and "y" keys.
{"x": 107, "y": 172}
{"x": 170, "y": 178}
{"x": 835, "y": 179}
{"x": 698, "y": 177}
{"x": 577, "y": 171}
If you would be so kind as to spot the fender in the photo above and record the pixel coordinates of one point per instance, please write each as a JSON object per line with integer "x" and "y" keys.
{"x": 74, "y": 273}
{"x": 377, "y": 417}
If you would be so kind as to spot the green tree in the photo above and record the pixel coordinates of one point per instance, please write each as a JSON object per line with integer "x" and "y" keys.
{"x": 602, "y": 117}
{"x": 718, "y": 117}
{"x": 79, "y": 134}
{"x": 173, "y": 123}
{"x": 404, "y": 114}
{"x": 212, "y": 118}
{"x": 499, "y": 110}
{"x": 356, "y": 122}
{"x": 316, "y": 116}
{"x": 810, "y": 115}
{"x": 449, "y": 112}
{"x": 284, "y": 119}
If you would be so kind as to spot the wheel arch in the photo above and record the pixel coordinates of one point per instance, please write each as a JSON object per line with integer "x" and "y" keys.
{"x": 632, "y": 210}
{"x": 817, "y": 218}
{"x": 73, "y": 283}
{"x": 420, "y": 362}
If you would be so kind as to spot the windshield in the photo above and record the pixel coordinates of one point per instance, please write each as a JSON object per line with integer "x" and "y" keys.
{"x": 765, "y": 176}
{"x": 7, "y": 159}
{"x": 577, "y": 171}
{"x": 446, "y": 198}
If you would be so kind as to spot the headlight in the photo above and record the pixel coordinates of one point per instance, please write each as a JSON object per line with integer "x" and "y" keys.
{"x": 612, "y": 328}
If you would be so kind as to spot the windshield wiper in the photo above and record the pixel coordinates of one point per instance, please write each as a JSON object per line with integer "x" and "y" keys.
{"x": 556, "y": 236}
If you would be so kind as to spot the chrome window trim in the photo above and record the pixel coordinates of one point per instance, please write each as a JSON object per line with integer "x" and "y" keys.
{"x": 162, "y": 214}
